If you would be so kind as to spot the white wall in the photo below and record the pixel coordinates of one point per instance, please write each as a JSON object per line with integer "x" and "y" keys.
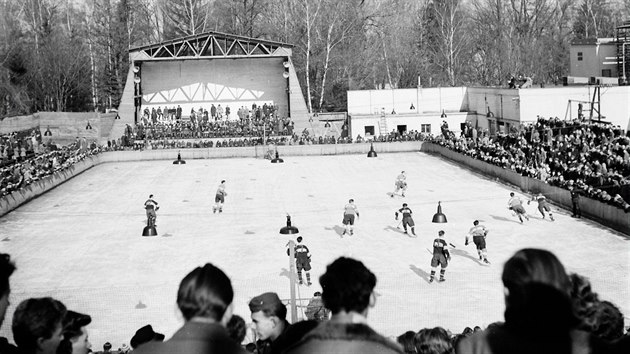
{"x": 200, "y": 83}
{"x": 424, "y": 100}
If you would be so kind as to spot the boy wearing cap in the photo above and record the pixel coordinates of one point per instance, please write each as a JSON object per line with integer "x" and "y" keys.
{"x": 441, "y": 256}
{"x": 269, "y": 317}
{"x": 406, "y": 218}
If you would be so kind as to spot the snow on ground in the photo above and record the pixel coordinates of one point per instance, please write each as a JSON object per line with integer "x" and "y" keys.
{"x": 81, "y": 243}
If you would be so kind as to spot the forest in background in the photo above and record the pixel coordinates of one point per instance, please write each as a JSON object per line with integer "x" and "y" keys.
{"x": 72, "y": 55}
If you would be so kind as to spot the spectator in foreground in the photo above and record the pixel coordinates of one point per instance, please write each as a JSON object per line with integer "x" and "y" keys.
{"x": 348, "y": 292}
{"x": 37, "y": 325}
{"x": 269, "y": 317}
{"x": 237, "y": 328}
{"x": 75, "y": 335}
{"x": 205, "y": 300}
{"x": 539, "y": 316}
{"x": 6, "y": 269}
{"x": 408, "y": 341}
{"x": 433, "y": 341}
{"x": 144, "y": 335}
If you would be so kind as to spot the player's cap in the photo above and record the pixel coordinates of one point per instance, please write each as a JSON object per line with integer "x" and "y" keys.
{"x": 404, "y": 204}
{"x": 441, "y": 232}
{"x": 150, "y": 195}
{"x": 222, "y": 181}
{"x": 511, "y": 194}
{"x": 317, "y": 293}
{"x": 351, "y": 200}
{"x": 266, "y": 301}
{"x": 299, "y": 239}
{"x": 476, "y": 222}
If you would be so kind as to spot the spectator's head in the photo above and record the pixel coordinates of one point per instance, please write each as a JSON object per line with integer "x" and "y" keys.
{"x": 237, "y": 329}
{"x": 348, "y": 286}
{"x": 603, "y": 320}
{"x": 433, "y": 341}
{"x": 269, "y": 316}
{"x": 107, "y": 347}
{"x": 37, "y": 325}
{"x": 534, "y": 265}
{"x": 408, "y": 342}
{"x": 75, "y": 335}
{"x": 206, "y": 292}
{"x": 144, "y": 335}
{"x": 6, "y": 269}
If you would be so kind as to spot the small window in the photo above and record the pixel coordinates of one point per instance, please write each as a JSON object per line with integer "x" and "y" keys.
{"x": 606, "y": 73}
{"x": 425, "y": 128}
{"x": 369, "y": 130}
{"x": 579, "y": 56}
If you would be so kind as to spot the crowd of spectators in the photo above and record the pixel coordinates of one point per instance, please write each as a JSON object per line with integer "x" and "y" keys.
{"x": 592, "y": 158}
{"x": 547, "y": 310}
{"x": 181, "y": 135}
{"x": 170, "y": 124}
{"x": 38, "y": 159}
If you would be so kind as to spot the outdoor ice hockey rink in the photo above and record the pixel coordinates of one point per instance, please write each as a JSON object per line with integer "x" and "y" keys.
{"x": 81, "y": 242}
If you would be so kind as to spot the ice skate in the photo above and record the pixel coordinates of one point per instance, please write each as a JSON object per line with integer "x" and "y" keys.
{"x": 309, "y": 284}
{"x": 441, "y": 280}
{"x": 431, "y": 280}
{"x": 486, "y": 261}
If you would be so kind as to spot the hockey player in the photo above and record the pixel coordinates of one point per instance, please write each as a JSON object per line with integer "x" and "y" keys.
{"x": 479, "y": 233}
{"x": 151, "y": 206}
{"x": 441, "y": 256}
{"x": 401, "y": 184}
{"x": 219, "y": 198}
{"x": 516, "y": 205}
{"x": 407, "y": 220}
{"x": 350, "y": 210}
{"x": 543, "y": 205}
{"x": 302, "y": 261}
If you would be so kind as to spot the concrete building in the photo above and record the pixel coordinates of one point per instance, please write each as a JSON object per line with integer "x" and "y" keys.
{"x": 593, "y": 57}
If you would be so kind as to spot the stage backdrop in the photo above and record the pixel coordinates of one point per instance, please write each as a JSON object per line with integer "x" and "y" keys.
{"x": 201, "y": 83}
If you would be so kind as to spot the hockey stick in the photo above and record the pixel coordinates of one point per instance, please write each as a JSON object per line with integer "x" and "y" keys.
{"x": 452, "y": 245}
